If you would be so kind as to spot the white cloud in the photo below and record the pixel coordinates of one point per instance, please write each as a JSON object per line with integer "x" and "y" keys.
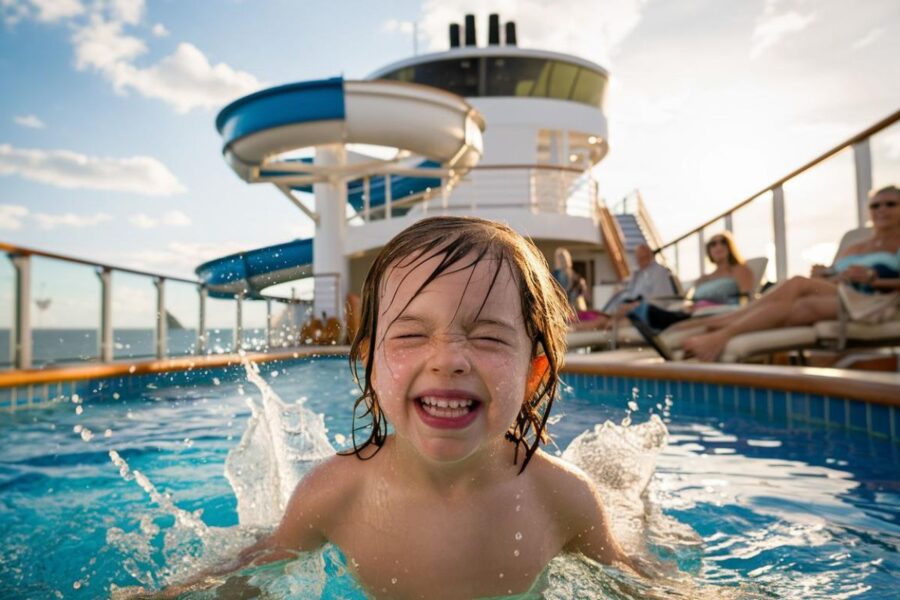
{"x": 395, "y": 25}
{"x": 542, "y": 24}
{"x": 102, "y": 45}
{"x": 772, "y": 27}
{"x": 66, "y": 169}
{"x": 159, "y": 30}
{"x": 52, "y": 221}
{"x": 185, "y": 79}
{"x": 143, "y": 221}
{"x": 175, "y": 218}
{"x": 54, "y": 10}
{"x": 127, "y": 11}
{"x": 172, "y": 218}
{"x": 180, "y": 257}
{"x": 11, "y": 216}
{"x": 31, "y": 121}
{"x": 868, "y": 39}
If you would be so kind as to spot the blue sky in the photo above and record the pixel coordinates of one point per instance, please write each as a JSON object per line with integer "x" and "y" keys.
{"x": 108, "y": 149}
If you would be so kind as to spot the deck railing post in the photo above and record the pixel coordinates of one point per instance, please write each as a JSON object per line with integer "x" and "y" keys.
{"x": 238, "y": 341}
{"x": 367, "y": 199}
{"x": 677, "y": 261}
{"x": 106, "y": 330}
{"x": 202, "y": 292}
{"x": 269, "y": 329}
{"x": 729, "y": 222}
{"x": 22, "y": 351}
{"x": 779, "y": 229}
{"x": 862, "y": 159}
{"x": 388, "y": 196}
{"x": 701, "y": 245}
{"x": 161, "y": 323}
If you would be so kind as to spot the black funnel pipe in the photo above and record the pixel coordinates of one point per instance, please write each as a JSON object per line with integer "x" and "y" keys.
{"x": 494, "y": 30}
{"x": 511, "y": 34}
{"x": 454, "y": 35}
{"x": 470, "y": 30}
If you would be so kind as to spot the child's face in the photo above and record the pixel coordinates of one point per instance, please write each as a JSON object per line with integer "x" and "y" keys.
{"x": 449, "y": 378}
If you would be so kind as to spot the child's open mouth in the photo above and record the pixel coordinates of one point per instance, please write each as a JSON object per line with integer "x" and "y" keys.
{"x": 447, "y": 413}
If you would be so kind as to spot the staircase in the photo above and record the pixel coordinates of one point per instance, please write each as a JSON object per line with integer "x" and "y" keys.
{"x": 631, "y": 231}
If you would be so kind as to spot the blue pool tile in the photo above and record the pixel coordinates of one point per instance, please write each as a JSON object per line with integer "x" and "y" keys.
{"x": 698, "y": 391}
{"x": 895, "y": 412}
{"x": 5, "y": 398}
{"x": 858, "y": 414}
{"x": 799, "y": 406}
{"x": 728, "y": 394}
{"x": 836, "y": 411}
{"x": 817, "y": 408}
{"x": 744, "y": 403}
{"x": 779, "y": 405}
{"x": 881, "y": 416}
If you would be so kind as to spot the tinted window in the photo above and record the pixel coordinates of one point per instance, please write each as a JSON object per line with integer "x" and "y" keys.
{"x": 509, "y": 76}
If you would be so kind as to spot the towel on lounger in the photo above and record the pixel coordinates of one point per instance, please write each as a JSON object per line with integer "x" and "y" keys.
{"x": 868, "y": 308}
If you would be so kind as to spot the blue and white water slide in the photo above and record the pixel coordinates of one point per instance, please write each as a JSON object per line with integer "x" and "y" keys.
{"x": 437, "y": 135}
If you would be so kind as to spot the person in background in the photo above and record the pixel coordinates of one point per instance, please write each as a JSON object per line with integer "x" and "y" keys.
{"x": 870, "y": 268}
{"x": 571, "y": 282}
{"x": 651, "y": 281}
{"x": 730, "y": 281}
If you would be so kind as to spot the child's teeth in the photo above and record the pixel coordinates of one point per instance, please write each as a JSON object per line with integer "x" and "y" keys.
{"x": 445, "y": 408}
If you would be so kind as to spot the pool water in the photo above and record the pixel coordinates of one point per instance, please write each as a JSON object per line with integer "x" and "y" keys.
{"x": 738, "y": 506}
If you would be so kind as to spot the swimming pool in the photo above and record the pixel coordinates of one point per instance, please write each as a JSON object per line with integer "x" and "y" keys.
{"x": 761, "y": 505}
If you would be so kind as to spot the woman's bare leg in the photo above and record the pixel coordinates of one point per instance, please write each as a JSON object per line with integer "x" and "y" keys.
{"x": 800, "y": 301}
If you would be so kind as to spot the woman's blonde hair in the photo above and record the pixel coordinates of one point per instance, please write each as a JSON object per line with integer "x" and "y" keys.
{"x": 734, "y": 255}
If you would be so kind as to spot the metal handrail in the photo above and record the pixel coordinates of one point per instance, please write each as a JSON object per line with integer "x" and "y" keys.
{"x": 859, "y": 137}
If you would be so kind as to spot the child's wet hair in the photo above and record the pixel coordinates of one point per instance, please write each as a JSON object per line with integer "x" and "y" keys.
{"x": 461, "y": 243}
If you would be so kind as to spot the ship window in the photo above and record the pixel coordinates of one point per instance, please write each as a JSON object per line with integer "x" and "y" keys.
{"x": 589, "y": 88}
{"x": 458, "y": 76}
{"x": 509, "y": 76}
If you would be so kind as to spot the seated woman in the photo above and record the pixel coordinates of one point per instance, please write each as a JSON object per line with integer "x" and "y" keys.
{"x": 727, "y": 284}
{"x": 574, "y": 284}
{"x": 872, "y": 266}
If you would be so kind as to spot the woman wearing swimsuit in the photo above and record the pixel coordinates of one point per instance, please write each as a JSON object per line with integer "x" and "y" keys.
{"x": 872, "y": 265}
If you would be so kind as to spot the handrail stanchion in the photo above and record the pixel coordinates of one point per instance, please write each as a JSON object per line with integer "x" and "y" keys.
{"x": 161, "y": 323}
{"x": 388, "y": 196}
{"x": 445, "y": 194}
{"x": 238, "y": 341}
{"x": 677, "y": 262}
{"x": 729, "y": 222}
{"x": 202, "y": 292}
{"x": 22, "y": 265}
{"x": 701, "y": 246}
{"x": 269, "y": 329}
{"x": 780, "y": 230}
{"x": 862, "y": 160}
{"x": 106, "y": 331}
{"x": 367, "y": 199}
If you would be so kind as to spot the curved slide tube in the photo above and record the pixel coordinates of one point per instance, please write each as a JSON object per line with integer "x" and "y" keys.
{"x": 253, "y": 270}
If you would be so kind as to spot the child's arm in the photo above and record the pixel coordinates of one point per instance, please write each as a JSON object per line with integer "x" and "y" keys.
{"x": 588, "y": 525}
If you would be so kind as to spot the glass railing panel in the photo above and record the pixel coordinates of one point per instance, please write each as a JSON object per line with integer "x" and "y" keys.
{"x": 885, "y": 149}
{"x": 820, "y": 206}
{"x": 221, "y": 317}
{"x": 7, "y": 311}
{"x": 752, "y": 230}
{"x": 65, "y": 312}
{"x": 182, "y": 318}
{"x": 254, "y": 321}
{"x": 689, "y": 259}
{"x": 133, "y": 316}
{"x": 709, "y": 232}
{"x": 670, "y": 258}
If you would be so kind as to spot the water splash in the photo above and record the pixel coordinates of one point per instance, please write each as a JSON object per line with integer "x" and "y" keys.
{"x": 282, "y": 442}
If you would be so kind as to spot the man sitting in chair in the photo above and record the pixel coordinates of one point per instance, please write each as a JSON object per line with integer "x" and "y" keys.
{"x": 651, "y": 280}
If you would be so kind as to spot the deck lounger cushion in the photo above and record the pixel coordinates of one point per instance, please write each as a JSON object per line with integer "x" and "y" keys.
{"x": 584, "y": 339}
{"x": 863, "y": 332}
{"x": 770, "y": 340}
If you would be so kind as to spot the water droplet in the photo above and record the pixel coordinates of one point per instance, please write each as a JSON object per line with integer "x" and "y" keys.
{"x": 87, "y": 435}
{"x": 79, "y": 409}
{"x": 394, "y": 580}
{"x": 132, "y": 369}
{"x": 76, "y": 585}
{"x": 216, "y": 381}
{"x": 107, "y": 433}
{"x": 116, "y": 395}
{"x": 501, "y": 575}
{"x": 339, "y": 438}
{"x": 518, "y": 536}
{"x": 515, "y": 553}
{"x": 77, "y": 429}
{"x": 518, "y": 507}
{"x": 632, "y": 406}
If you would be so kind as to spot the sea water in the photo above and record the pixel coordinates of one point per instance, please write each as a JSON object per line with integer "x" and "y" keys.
{"x": 120, "y": 491}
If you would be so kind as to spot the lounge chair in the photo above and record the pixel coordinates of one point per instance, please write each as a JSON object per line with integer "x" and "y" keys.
{"x": 840, "y": 334}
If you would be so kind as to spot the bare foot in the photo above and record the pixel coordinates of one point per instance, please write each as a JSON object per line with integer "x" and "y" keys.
{"x": 706, "y": 347}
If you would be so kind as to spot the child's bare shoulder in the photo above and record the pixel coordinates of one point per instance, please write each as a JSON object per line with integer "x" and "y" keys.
{"x": 566, "y": 487}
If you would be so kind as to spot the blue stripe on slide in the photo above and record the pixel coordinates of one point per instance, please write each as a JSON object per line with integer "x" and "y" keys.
{"x": 319, "y": 100}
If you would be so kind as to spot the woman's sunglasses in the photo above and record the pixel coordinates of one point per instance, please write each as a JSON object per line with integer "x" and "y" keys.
{"x": 716, "y": 241}
{"x": 885, "y": 203}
